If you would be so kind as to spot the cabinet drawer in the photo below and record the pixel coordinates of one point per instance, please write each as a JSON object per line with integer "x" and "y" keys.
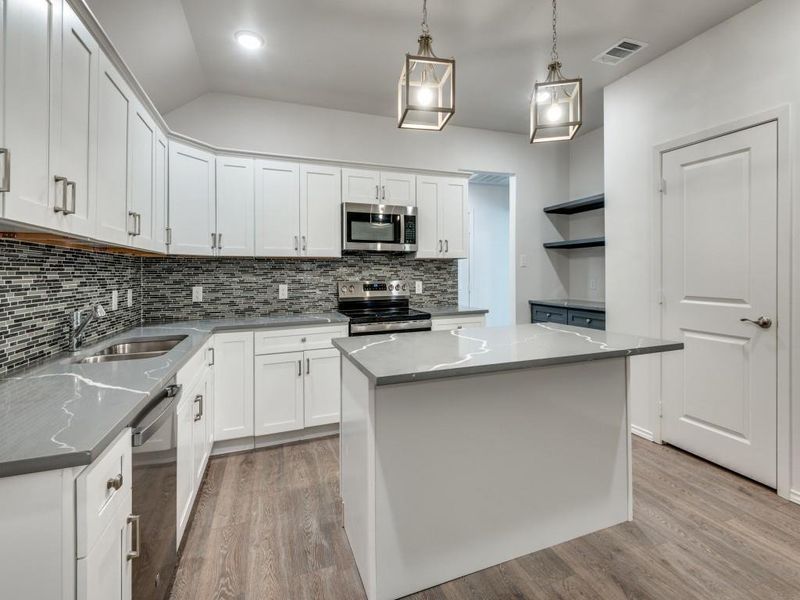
{"x": 548, "y": 314}
{"x": 275, "y": 341}
{"x": 100, "y": 490}
{"x": 587, "y": 318}
{"x": 189, "y": 372}
{"x": 451, "y": 323}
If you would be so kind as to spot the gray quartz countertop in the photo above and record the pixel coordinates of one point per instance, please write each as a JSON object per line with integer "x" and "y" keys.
{"x": 62, "y": 414}
{"x": 408, "y": 357}
{"x": 452, "y": 310}
{"x": 572, "y": 303}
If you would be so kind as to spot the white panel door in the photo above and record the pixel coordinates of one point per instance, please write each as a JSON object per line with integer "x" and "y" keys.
{"x": 453, "y": 217}
{"x": 105, "y": 573}
{"x": 398, "y": 188}
{"x": 235, "y": 206}
{"x": 142, "y": 176}
{"x": 113, "y": 165}
{"x": 320, "y": 211}
{"x": 29, "y": 41}
{"x": 719, "y": 266}
{"x": 277, "y": 208}
{"x": 160, "y": 194}
{"x": 322, "y": 389}
{"x": 233, "y": 397}
{"x": 278, "y": 393}
{"x": 192, "y": 200}
{"x": 361, "y": 185}
{"x": 429, "y": 241}
{"x": 75, "y": 156}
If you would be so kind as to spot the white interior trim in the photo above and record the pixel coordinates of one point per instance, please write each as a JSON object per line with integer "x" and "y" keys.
{"x": 642, "y": 433}
{"x": 781, "y": 115}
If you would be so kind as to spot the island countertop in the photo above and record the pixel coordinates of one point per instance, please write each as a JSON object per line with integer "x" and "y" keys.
{"x": 407, "y": 357}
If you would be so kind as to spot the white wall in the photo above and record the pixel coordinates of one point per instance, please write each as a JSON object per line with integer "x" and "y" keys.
{"x": 282, "y": 128}
{"x": 746, "y": 65}
{"x": 587, "y": 273}
{"x": 488, "y": 265}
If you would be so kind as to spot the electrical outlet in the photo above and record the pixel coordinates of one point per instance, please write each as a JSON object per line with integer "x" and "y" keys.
{"x": 114, "y": 300}
{"x": 130, "y": 298}
{"x": 197, "y": 293}
{"x": 283, "y": 291}
{"x": 593, "y": 284}
{"x": 418, "y": 287}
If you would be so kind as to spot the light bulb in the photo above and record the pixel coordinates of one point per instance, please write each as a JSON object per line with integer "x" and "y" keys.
{"x": 425, "y": 95}
{"x": 249, "y": 39}
{"x": 554, "y": 113}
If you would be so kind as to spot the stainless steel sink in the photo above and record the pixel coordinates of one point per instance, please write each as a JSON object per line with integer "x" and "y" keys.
{"x": 134, "y": 349}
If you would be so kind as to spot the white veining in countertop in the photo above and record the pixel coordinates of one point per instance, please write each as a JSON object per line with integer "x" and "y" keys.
{"x": 439, "y": 354}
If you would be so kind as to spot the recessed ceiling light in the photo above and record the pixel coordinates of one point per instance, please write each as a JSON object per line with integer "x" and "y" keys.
{"x": 250, "y": 40}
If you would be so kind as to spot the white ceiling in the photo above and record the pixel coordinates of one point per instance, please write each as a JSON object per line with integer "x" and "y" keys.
{"x": 347, "y": 54}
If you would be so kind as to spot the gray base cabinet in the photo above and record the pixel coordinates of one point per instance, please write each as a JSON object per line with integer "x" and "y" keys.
{"x": 566, "y": 315}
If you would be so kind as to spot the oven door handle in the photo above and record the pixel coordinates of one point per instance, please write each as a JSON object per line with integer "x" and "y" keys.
{"x": 390, "y": 326}
{"x": 148, "y": 426}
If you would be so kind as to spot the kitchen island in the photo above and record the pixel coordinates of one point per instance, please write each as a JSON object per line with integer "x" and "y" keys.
{"x": 464, "y": 449}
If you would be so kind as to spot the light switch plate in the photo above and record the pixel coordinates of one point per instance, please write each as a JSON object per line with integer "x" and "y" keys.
{"x": 283, "y": 291}
{"x": 418, "y": 287}
{"x": 593, "y": 284}
{"x": 197, "y": 293}
{"x": 114, "y": 300}
{"x": 130, "y": 298}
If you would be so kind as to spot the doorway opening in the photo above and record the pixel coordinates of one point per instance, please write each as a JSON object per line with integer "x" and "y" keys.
{"x": 485, "y": 278}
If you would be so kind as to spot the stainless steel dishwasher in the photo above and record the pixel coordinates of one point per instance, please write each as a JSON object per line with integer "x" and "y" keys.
{"x": 155, "y": 459}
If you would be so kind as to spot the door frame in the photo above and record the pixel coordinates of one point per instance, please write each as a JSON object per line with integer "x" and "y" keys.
{"x": 785, "y": 227}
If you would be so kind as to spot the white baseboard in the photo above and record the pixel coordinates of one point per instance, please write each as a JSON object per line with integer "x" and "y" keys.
{"x": 642, "y": 433}
{"x": 794, "y": 496}
{"x": 275, "y": 439}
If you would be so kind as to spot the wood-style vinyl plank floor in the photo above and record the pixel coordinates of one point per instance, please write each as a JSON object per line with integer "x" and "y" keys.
{"x": 266, "y": 527}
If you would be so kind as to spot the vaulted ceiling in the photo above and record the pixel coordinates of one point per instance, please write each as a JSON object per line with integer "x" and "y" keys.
{"x": 347, "y": 54}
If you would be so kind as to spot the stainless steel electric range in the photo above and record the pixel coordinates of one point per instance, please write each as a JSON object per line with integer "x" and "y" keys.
{"x": 380, "y": 307}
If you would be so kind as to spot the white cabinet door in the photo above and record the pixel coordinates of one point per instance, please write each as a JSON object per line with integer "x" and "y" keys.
{"x": 235, "y": 206}
{"x": 453, "y": 217}
{"x": 29, "y": 43}
{"x": 360, "y": 185}
{"x": 233, "y": 398}
{"x": 277, "y": 208}
{"x": 141, "y": 208}
{"x": 278, "y": 393}
{"x": 429, "y": 242}
{"x": 105, "y": 573}
{"x": 185, "y": 469}
{"x": 200, "y": 429}
{"x": 114, "y": 100}
{"x": 160, "y": 193}
{"x": 398, "y": 188}
{"x": 322, "y": 386}
{"x": 192, "y": 200}
{"x": 320, "y": 211}
{"x": 76, "y": 119}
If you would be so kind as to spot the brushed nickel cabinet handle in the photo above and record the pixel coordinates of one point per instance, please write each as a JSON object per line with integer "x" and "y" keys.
{"x": 383, "y": 192}
{"x": 308, "y": 366}
{"x": 213, "y": 240}
{"x": 6, "y": 185}
{"x": 213, "y": 357}
{"x": 132, "y": 218}
{"x": 168, "y": 232}
{"x": 63, "y": 181}
{"x": 440, "y": 246}
{"x": 114, "y": 483}
{"x": 447, "y": 245}
{"x": 296, "y": 244}
{"x": 219, "y": 241}
{"x": 135, "y": 553}
{"x": 377, "y": 192}
{"x": 71, "y": 185}
{"x": 138, "y": 223}
{"x": 299, "y": 368}
{"x": 199, "y": 401}
{"x": 305, "y": 245}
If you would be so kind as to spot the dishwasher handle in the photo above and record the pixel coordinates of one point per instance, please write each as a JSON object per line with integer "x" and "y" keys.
{"x": 156, "y": 417}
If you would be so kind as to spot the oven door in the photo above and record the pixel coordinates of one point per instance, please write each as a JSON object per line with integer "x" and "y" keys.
{"x": 379, "y": 227}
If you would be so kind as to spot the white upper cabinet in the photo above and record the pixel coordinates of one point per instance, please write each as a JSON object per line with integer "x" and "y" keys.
{"x": 31, "y": 30}
{"x": 235, "y": 206}
{"x": 74, "y": 157}
{"x": 113, "y": 129}
{"x": 361, "y": 185}
{"x": 277, "y": 208}
{"x": 142, "y": 209}
{"x": 441, "y": 217}
{"x": 320, "y": 211}
{"x": 161, "y": 192}
{"x": 192, "y": 200}
{"x": 398, "y": 188}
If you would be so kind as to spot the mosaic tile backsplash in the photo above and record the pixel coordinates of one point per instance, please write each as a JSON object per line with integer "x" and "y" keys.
{"x": 40, "y": 287}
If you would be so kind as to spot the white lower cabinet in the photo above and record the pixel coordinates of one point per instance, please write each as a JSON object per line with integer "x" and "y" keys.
{"x": 278, "y": 393}
{"x": 233, "y": 385}
{"x": 458, "y": 322}
{"x": 321, "y": 386}
{"x": 185, "y": 468}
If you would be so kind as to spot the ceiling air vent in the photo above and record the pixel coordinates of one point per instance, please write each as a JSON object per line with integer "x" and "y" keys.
{"x": 620, "y": 51}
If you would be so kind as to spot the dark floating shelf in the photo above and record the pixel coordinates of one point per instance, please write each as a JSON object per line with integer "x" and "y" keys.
{"x": 572, "y": 244}
{"x": 577, "y": 206}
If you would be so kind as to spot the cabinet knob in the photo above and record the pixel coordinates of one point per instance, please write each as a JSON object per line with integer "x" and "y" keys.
{"x": 114, "y": 483}
{"x": 302, "y": 339}
{"x": 549, "y": 315}
{"x": 588, "y": 321}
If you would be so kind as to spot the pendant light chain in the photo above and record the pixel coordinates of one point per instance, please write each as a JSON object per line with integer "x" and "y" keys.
{"x": 554, "y": 51}
{"x": 425, "y": 30}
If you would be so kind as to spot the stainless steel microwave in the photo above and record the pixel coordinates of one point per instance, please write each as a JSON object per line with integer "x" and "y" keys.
{"x": 379, "y": 227}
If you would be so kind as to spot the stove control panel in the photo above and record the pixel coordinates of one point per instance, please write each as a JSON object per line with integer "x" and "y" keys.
{"x": 374, "y": 289}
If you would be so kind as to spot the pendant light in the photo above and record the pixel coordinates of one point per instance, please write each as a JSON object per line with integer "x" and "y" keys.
{"x": 426, "y": 94}
{"x": 557, "y": 102}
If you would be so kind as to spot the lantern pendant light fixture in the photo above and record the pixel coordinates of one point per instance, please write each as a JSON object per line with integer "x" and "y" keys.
{"x": 426, "y": 93}
{"x": 557, "y": 102}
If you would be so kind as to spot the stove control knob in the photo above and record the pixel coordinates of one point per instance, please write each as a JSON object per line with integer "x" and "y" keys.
{"x": 404, "y": 287}
{"x": 391, "y": 287}
{"x": 352, "y": 289}
{"x": 344, "y": 289}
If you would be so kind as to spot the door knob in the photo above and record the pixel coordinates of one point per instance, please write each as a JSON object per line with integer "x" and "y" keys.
{"x": 763, "y": 322}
